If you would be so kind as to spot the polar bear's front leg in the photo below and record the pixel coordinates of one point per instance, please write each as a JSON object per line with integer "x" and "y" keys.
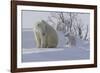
{"x": 38, "y": 40}
{"x": 43, "y": 40}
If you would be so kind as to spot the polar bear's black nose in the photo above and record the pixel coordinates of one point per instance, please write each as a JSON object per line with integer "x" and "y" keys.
{"x": 43, "y": 33}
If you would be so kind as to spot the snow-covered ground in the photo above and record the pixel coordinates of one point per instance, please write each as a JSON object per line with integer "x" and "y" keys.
{"x": 78, "y": 52}
{"x": 32, "y": 54}
{"x": 54, "y": 54}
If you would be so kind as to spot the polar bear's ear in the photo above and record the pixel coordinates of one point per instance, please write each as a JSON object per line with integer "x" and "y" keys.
{"x": 38, "y": 24}
{"x": 35, "y": 26}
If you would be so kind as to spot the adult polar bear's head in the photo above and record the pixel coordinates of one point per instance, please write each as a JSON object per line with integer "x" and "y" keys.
{"x": 45, "y": 35}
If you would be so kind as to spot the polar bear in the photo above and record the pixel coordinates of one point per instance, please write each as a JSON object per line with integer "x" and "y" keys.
{"x": 45, "y": 35}
{"x": 70, "y": 40}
